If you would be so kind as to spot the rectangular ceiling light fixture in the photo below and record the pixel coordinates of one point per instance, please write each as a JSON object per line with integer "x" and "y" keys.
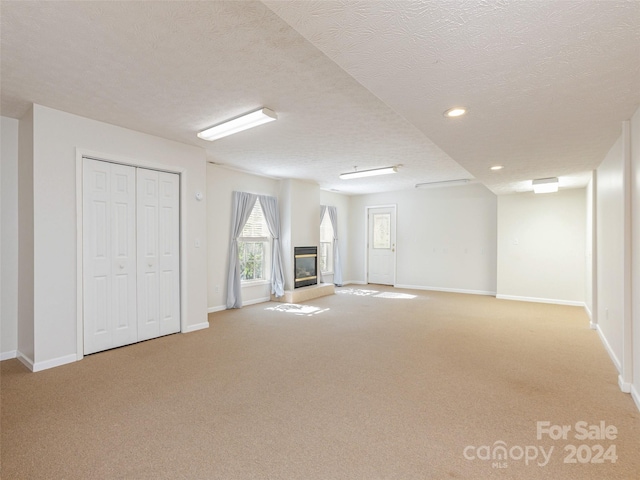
{"x": 444, "y": 183}
{"x": 545, "y": 185}
{"x": 369, "y": 173}
{"x": 238, "y": 124}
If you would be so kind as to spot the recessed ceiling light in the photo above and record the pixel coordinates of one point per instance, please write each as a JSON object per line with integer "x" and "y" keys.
{"x": 455, "y": 112}
{"x": 497, "y": 167}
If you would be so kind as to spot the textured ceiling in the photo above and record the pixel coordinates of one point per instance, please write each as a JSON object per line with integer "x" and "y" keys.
{"x": 547, "y": 83}
{"x": 354, "y": 83}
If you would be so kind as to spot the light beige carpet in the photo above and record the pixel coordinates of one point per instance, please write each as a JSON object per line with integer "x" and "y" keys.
{"x": 396, "y": 384}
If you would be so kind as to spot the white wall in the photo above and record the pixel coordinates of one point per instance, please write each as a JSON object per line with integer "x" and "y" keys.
{"x": 26, "y": 340}
{"x": 342, "y": 203}
{"x": 590, "y": 242}
{"x": 610, "y": 250}
{"x": 446, "y": 238}
{"x": 56, "y": 137}
{"x": 618, "y": 255}
{"x": 300, "y": 216}
{"x": 635, "y": 253}
{"x": 9, "y": 245}
{"x": 221, "y": 183}
{"x": 541, "y": 247}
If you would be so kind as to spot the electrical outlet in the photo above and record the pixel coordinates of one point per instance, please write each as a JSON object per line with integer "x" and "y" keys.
{"x": 217, "y": 289}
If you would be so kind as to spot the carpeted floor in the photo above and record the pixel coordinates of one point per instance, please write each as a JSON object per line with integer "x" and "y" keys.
{"x": 370, "y": 383}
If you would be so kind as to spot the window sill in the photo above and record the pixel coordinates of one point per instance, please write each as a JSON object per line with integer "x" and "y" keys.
{"x": 255, "y": 283}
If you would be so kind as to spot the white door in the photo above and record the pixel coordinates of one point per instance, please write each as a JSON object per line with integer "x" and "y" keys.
{"x": 381, "y": 245}
{"x": 169, "y": 252}
{"x": 148, "y": 284}
{"x": 131, "y": 254}
{"x": 158, "y": 254}
{"x": 109, "y": 255}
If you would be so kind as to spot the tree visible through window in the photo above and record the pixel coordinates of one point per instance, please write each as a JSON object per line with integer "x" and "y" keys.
{"x": 253, "y": 247}
{"x": 326, "y": 245}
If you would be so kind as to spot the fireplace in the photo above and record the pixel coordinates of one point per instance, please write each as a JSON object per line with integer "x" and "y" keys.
{"x": 305, "y": 266}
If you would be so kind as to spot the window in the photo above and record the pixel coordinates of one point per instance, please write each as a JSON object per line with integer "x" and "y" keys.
{"x": 254, "y": 247}
{"x": 325, "y": 255}
{"x": 382, "y": 230}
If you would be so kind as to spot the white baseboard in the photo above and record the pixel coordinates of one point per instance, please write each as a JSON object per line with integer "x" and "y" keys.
{"x": 449, "y": 290}
{"x": 196, "y": 327}
{"x": 26, "y": 361}
{"x": 592, "y": 324}
{"x": 8, "y": 355}
{"x": 353, "y": 282}
{"x": 256, "y": 300}
{"x": 39, "y": 366}
{"x": 553, "y": 301}
{"x": 54, "y": 362}
{"x": 624, "y": 386}
{"x": 636, "y": 396}
{"x": 609, "y": 350}
{"x": 588, "y": 311}
{"x": 245, "y": 303}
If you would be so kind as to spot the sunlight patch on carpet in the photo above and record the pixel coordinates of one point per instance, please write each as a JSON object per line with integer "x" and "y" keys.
{"x": 374, "y": 293}
{"x": 395, "y": 295}
{"x": 296, "y": 309}
{"x": 356, "y": 291}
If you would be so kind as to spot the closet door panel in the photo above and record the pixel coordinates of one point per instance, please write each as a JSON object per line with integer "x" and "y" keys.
{"x": 148, "y": 281}
{"x": 169, "y": 252}
{"x": 123, "y": 254}
{"x": 109, "y": 269}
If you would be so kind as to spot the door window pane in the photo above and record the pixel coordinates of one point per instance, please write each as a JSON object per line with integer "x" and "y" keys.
{"x": 381, "y": 230}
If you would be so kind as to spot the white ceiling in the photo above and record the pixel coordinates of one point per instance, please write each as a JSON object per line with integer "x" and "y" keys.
{"x": 360, "y": 84}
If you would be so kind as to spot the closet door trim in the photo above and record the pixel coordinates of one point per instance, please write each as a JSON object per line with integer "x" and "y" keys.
{"x": 118, "y": 159}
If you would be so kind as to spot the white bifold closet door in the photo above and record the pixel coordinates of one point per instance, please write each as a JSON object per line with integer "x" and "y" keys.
{"x": 130, "y": 255}
{"x": 158, "y": 254}
{"x": 109, "y": 251}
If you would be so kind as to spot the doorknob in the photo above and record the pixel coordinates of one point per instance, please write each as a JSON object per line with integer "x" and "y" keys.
{"x": 150, "y": 264}
{"x": 121, "y": 266}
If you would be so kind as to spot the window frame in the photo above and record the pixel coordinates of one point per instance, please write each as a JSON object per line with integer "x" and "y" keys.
{"x": 330, "y": 271}
{"x": 266, "y": 256}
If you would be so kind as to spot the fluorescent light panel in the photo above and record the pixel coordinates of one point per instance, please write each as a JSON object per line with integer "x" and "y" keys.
{"x": 545, "y": 185}
{"x": 238, "y": 124}
{"x": 369, "y": 173}
{"x": 444, "y": 183}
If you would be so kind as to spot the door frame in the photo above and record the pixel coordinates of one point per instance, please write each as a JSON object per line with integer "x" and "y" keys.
{"x": 366, "y": 239}
{"x": 131, "y": 162}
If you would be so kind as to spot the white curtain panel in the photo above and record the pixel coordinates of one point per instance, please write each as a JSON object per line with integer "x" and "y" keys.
{"x": 272, "y": 216}
{"x": 337, "y": 267}
{"x": 323, "y": 210}
{"x": 241, "y": 206}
